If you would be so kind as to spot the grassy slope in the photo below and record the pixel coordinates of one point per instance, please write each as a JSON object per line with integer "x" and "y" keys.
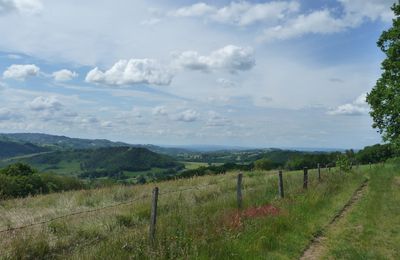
{"x": 372, "y": 230}
{"x": 191, "y": 224}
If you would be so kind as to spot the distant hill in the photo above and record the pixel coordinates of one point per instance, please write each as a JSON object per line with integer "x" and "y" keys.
{"x": 61, "y": 142}
{"x": 11, "y": 149}
{"x": 56, "y": 142}
{"x": 110, "y": 159}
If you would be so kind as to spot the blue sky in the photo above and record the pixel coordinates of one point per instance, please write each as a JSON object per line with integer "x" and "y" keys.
{"x": 250, "y": 73}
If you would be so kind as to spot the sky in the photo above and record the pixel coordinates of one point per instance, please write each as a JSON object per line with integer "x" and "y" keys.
{"x": 291, "y": 73}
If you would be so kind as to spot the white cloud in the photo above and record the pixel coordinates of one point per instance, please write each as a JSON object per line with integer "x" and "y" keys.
{"x": 231, "y": 58}
{"x": 195, "y": 10}
{"x": 64, "y": 75}
{"x": 226, "y": 83}
{"x": 131, "y": 72}
{"x": 45, "y": 104}
{"x": 21, "y": 72}
{"x": 356, "y": 108}
{"x": 159, "y": 111}
{"x": 240, "y": 13}
{"x": 355, "y": 12}
{"x": 188, "y": 116}
{"x": 22, "y": 6}
{"x": 317, "y": 22}
{"x": 371, "y": 9}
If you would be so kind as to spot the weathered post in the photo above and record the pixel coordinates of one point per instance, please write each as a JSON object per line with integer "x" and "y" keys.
{"x": 239, "y": 190}
{"x": 305, "y": 179}
{"x": 281, "y": 192}
{"x": 153, "y": 216}
{"x": 319, "y": 172}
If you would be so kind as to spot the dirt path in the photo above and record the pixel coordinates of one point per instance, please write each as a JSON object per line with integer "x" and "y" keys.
{"x": 316, "y": 248}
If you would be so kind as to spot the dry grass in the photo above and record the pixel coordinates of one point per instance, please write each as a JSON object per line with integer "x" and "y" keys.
{"x": 191, "y": 220}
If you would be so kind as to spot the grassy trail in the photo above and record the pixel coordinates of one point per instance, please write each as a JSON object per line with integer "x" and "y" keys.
{"x": 372, "y": 229}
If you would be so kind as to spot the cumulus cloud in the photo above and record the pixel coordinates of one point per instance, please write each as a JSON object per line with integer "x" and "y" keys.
{"x": 41, "y": 103}
{"x": 21, "y": 6}
{"x": 356, "y": 108}
{"x": 240, "y": 13}
{"x": 159, "y": 111}
{"x": 21, "y": 72}
{"x": 324, "y": 21}
{"x": 131, "y": 72}
{"x": 64, "y": 75}
{"x": 188, "y": 116}
{"x": 231, "y": 58}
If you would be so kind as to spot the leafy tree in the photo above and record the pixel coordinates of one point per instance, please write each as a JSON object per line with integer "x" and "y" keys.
{"x": 264, "y": 164}
{"x": 384, "y": 98}
{"x": 343, "y": 163}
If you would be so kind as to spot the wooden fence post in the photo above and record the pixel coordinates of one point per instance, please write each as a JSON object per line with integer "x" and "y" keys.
{"x": 370, "y": 165}
{"x": 153, "y": 216}
{"x": 305, "y": 180}
{"x": 319, "y": 172}
{"x": 281, "y": 192}
{"x": 239, "y": 190}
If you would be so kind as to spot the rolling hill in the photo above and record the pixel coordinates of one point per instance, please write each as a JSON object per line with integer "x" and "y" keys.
{"x": 101, "y": 162}
{"x": 11, "y": 149}
{"x": 56, "y": 142}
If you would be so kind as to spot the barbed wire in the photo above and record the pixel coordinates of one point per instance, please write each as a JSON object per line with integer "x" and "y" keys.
{"x": 73, "y": 214}
{"x": 5, "y": 230}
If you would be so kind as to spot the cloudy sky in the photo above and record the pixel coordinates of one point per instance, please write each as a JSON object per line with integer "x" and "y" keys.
{"x": 274, "y": 73}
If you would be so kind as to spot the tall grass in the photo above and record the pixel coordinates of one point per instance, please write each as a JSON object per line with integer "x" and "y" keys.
{"x": 199, "y": 223}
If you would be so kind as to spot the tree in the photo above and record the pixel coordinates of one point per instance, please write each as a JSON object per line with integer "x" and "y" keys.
{"x": 384, "y": 98}
{"x": 263, "y": 164}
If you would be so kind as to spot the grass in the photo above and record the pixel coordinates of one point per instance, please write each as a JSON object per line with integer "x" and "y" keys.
{"x": 201, "y": 223}
{"x": 194, "y": 165}
{"x": 372, "y": 229}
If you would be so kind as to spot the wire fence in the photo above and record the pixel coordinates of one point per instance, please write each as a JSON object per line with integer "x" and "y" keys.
{"x": 142, "y": 198}
{"x": 154, "y": 196}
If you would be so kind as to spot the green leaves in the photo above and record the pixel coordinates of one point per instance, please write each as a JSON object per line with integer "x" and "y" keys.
{"x": 384, "y": 98}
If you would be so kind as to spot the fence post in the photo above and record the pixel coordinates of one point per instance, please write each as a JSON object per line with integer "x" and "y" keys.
{"x": 153, "y": 216}
{"x": 281, "y": 192}
{"x": 370, "y": 165}
{"x": 319, "y": 172}
{"x": 239, "y": 190}
{"x": 305, "y": 180}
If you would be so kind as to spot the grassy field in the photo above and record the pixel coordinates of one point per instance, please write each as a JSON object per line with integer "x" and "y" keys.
{"x": 198, "y": 219}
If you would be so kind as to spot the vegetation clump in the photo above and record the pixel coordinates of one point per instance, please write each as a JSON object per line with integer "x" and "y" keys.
{"x": 21, "y": 180}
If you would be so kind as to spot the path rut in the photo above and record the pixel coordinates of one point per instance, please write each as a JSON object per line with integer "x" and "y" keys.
{"x": 316, "y": 248}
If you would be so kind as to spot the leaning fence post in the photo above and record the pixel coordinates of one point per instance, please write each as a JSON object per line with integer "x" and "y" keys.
{"x": 281, "y": 193}
{"x": 319, "y": 172}
{"x": 239, "y": 190}
{"x": 153, "y": 216}
{"x": 305, "y": 180}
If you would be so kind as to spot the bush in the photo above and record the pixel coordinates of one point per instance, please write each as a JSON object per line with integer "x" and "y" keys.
{"x": 21, "y": 180}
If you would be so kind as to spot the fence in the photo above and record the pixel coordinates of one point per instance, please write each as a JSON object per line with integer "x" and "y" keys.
{"x": 156, "y": 193}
